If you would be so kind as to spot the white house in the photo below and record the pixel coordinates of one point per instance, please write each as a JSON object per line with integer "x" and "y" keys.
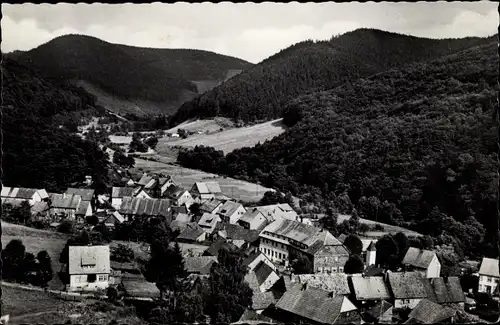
{"x": 253, "y": 218}
{"x": 89, "y": 268}
{"x": 179, "y": 196}
{"x": 231, "y": 212}
{"x": 23, "y": 194}
{"x": 262, "y": 276}
{"x": 371, "y": 255}
{"x": 488, "y": 275}
{"x": 424, "y": 261}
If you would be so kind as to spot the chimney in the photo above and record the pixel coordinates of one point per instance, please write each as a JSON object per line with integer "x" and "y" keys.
{"x": 88, "y": 180}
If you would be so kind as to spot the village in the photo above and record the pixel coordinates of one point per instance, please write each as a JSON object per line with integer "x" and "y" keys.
{"x": 334, "y": 282}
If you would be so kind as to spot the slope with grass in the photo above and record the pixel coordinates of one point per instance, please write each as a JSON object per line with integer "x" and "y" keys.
{"x": 413, "y": 145}
{"x": 130, "y": 79}
{"x": 227, "y": 140}
{"x": 262, "y": 91}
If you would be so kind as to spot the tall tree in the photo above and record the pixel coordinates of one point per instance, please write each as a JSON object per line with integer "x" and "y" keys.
{"x": 387, "y": 252}
{"x": 354, "y": 265}
{"x": 354, "y": 244}
{"x": 13, "y": 258}
{"x": 45, "y": 272}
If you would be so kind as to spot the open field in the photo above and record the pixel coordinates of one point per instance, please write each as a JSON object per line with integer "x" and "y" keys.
{"x": 229, "y": 139}
{"x": 239, "y": 190}
{"x": 209, "y": 126}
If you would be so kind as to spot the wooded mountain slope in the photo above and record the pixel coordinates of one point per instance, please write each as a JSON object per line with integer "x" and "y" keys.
{"x": 262, "y": 91}
{"x": 412, "y": 146}
{"x": 36, "y": 151}
{"x": 155, "y": 75}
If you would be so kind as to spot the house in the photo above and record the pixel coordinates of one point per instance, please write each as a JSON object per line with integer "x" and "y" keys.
{"x": 118, "y": 193}
{"x": 315, "y": 306}
{"x": 255, "y": 258}
{"x": 84, "y": 210}
{"x": 113, "y": 219}
{"x": 135, "y": 207}
{"x": 155, "y": 185}
{"x": 253, "y": 218}
{"x": 64, "y": 204}
{"x": 231, "y": 212}
{"x": 274, "y": 212}
{"x": 488, "y": 276}
{"x": 211, "y": 206}
{"x": 428, "y": 312}
{"x": 217, "y": 245}
{"x": 237, "y": 235}
{"x": 88, "y": 268}
{"x": 422, "y": 260}
{"x": 284, "y": 237}
{"x": 370, "y": 254}
{"x": 369, "y": 290}
{"x": 31, "y": 195}
{"x": 407, "y": 288}
{"x": 208, "y": 222}
{"x": 335, "y": 283}
{"x": 446, "y": 291}
{"x": 265, "y": 276}
{"x": 192, "y": 233}
{"x": 87, "y": 195}
{"x": 380, "y": 313}
{"x": 206, "y": 190}
{"x": 178, "y": 195}
{"x": 199, "y": 264}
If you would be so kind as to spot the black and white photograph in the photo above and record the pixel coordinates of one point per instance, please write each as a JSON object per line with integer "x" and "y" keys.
{"x": 250, "y": 163}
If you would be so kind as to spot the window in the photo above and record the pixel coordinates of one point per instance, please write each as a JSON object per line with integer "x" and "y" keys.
{"x": 91, "y": 278}
{"x": 103, "y": 277}
{"x": 489, "y": 278}
{"x": 341, "y": 269}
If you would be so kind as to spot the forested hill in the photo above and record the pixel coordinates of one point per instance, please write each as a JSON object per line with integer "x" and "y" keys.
{"x": 414, "y": 146}
{"x": 37, "y": 151}
{"x": 163, "y": 76}
{"x": 262, "y": 91}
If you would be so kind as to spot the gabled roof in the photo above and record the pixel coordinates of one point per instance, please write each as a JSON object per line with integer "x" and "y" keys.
{"x": 237, "y": 232}
{"x": 207, "y": 187}
{"x": 330, "y": 282}
{"x": 21, "y": 193}
{"x": 251, "y": 214}
{"x": 199, "y": 264}
{"x": 174, "y": 192}
{"x": 82, "y": 208}
{"x": 209, "y": 220}
{"x": 418, "y": 258}
{"x": 262, "y": 300}
{"x": 97, "y": 257}
{"x": 262, "y": 271}
{"x": 181, "y": 209}
{"x": 143, "y": 206}
{"x": 447, "y": 290}
{"x": 370, "y": 288}
{"x": 428, "y": 312}
{"x": 191, "y": 232}
{"x": 65, "y": 201}
{"x": 273, "y": 211}
{"x": 229, "y": 208}
{"x": 251, "y": 257}
{"x": 121, "y": 192}
{"x": 115, "y": 215}
{"x": 489, "y": 267}
{"x": 314, "y": 304}
{"x": 210, "y": 205}
{"x": 372, "y": 247}
{"x": 408, "y": 285}
{"x": 379, "y": 309}
{"x": 145, "y": 179}
{"x": 87, "y": 194}
{"x": 217, "y": 245}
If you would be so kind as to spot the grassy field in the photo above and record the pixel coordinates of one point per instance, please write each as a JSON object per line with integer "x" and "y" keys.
{"x": 239, "y": 190}
{"x": 227, "y": 140}
{"x": 210, "y": 126}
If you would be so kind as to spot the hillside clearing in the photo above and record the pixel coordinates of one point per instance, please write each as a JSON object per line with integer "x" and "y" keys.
{"x": 239, "y": 190}
{"x": 228, "y": 140}
{"x": 212, "y": 125}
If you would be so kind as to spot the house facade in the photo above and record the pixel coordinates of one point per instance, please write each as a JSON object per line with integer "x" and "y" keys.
{"x": 88, "y": 268}
{"x": 64, "y": 204}
{"x": 231, "y": 212}
{"x": 253, "y": 218}
{"x": 408, "y": 288}
{"x": 135, "y": 207}
{"x": 488, "y": 276}
{"x": 179, "y": 196}
{"x": 87, "y": 195}
{"x": 202, "y": 191}
{"x": 423, "y": 261}
{"x": 118, "y": 193}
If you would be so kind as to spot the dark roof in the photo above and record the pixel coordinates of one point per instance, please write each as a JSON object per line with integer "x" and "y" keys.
{"x": 379, "y": 309}
{"x": 313, "y": 304}
{"x": 262, "y": 271}
{"x": 191, "y": 232}
{"x": 372, "y": 247}
{"x": 87, "y": 194}
{"x": 82, "y": 207}
{"x": 428, "y": 312}
{"x": 210, "y": 205}
{"x": 418, "y": 258}
{"x": 408, "y": 285}
{"x": 262, "y": 300}
{"x": 121, "y": 192}
{"x": 124, "y": 266}
{"x": 446, "y": 290}
{"x": 138, "y": 287}
{"x": 374, "y": 271}
{"x": 229, "y": 208}
{"x": 64, "y": 201}
{"x": 237, "y": 232}
{"x": 142, "y": 206}
{"x": 252, "y": 257}
{"x": 199, "y": 264}
{"x": 181, "y": 209}
{"x": 174, "y": 192}
{"x": 219, "y": 244}
{"x": 335, "y": 283}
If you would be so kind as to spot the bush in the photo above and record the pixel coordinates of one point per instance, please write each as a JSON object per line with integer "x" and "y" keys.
{"x": 66, "y": 227}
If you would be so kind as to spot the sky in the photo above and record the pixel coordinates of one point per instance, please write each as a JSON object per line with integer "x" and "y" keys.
{"x": 248, "y": 31}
